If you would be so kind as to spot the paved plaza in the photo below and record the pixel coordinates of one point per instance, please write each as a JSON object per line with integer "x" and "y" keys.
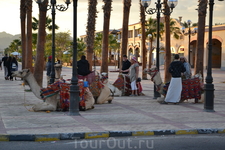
{"x": 125, "y": 116}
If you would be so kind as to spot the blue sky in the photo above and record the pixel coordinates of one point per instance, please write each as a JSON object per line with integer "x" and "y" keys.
{"x": 10, "y": 22}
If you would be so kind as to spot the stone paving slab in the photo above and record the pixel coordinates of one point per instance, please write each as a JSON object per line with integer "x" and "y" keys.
{"x": 126, "y": 116}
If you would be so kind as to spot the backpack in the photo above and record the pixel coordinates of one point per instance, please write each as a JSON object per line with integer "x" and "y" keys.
{"x": 14, "y": 66}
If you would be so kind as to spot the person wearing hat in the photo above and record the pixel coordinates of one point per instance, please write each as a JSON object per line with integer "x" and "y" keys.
{"x": 187, "y": 73}
{"x": 176, "y": 69}
{"x": 126, "y": 65}
{"x": 133, "y": 74}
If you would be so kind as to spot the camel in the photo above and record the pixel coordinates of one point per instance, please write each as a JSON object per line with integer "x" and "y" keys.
{"x": 51, "y": 103}
{"x": 160, "y": 87}
{"x": 114, "y": 90}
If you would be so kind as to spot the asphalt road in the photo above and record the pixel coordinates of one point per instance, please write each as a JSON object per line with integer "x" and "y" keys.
{"x": 181, "y": 142}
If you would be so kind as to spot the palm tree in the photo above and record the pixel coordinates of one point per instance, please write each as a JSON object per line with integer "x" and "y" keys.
{"x": 151, "y": 33}
{"x": 23, "y": 32}
{"x": 167, "y": 75}
{"x": 113, "y": 45}
{"x": 199, "y": 54}
{"x": 92, "y": 14}
{"x": 48, "y": 24}
{"x": 126, "y": 13}
{"x": 105, "y": 42}
{"x": 28, "y": 58}
{"x": 143, "y": 38}
{"x": 81, "y": 47}
{"x": 98, "y": 45}
{"x": 40, "y": 61}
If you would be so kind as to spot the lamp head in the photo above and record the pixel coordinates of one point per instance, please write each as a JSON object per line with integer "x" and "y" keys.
{"x": 150, "y": 35}
{"x": 145, "y": 3}
{"x": 183, "y": 29}
{"x": 172, "y": 3}
{"x": 189, "y": 22}
{"x": 67, "y": 1}
{"x": 39, "y": 1}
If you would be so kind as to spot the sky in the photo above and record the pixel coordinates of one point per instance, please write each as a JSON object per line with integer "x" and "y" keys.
{"x": 10, "y": 14}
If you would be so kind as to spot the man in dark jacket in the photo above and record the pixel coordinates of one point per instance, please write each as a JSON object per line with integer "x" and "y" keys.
{"x": 174, "y": 91}
{"x": 83, "y": 66}
{"x": 126, "y": 64}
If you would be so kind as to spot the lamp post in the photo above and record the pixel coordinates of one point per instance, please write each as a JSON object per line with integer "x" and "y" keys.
{"x": 74, "y": 88}
{"x": 53, "y": 7}
{"x": 189, "y": 33}
{"x": 209, "y": 87}
{"x": 158, "y": 10}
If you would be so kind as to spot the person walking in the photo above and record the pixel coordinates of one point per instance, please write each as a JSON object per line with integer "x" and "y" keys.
{"x": 187, "y": 74}
{"x": 126, "y": 65}
{"x": 4, "y": 60}
{"x": 176, "y": 68}
{"x": 14, "y": 65}
{"x": 9, "y": 67}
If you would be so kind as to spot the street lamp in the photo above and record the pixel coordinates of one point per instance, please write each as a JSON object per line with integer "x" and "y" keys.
{"x": 209, "y": 87}
{"x": 53, "y": 7}
{"x": 158, "y": 10}
{"x": 189, "y": 33}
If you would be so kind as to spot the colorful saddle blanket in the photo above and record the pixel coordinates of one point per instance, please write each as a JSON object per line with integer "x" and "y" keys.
{"x": 63, "y": 89}
{"x": 191, "y": 88}
{"x": 90, "y": 77}
{"x": 123, "y": 83}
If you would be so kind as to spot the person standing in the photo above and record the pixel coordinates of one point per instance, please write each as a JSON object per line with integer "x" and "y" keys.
{"x": 83, "y": 66}
{"x": 176, "y": 68}
{"x": 49, "y": 69}
{"x": 126, "y": 65}
{"x": 4, "y": 60}
{"x": 133, "y": 74}
{"x": 187, "y": 73}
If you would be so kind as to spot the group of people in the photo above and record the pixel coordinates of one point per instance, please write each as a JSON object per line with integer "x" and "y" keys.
{"x": 132, "y": 68}
{"x": 10, "y": 64}
{"x": 179, "y": 69}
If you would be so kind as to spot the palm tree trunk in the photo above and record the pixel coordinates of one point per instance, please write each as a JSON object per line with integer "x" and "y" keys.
{"x": 144, "y": 53}
{"x": 23, "y": 32}
{"x": 39, "y": 63}
{"x": 29, "y": 36}
{"x": 199, "y": 53}
{"x": 126, "y": 12}
{"x": 105, "y": 42}
{"x": 92, "y": 15}
{"x": 167, "y": 76}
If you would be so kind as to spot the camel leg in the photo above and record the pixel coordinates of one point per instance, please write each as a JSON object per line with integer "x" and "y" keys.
{"x": 44, "y": 107}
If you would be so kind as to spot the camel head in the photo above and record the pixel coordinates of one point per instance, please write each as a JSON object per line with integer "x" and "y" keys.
{"x": 104, "y": 77}
{"x": 21, "y": 73}
{"x": 151, "y": 71}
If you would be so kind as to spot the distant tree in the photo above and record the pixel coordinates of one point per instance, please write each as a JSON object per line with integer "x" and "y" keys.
{"x": 151, "y": 33}
{"x": 98, "y": 45}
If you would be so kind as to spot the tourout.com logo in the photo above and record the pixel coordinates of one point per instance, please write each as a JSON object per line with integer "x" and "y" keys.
{"x": 113, "y": 143}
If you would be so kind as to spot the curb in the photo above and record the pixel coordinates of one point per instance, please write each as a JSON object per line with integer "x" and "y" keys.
{"x": 94, "y": 135}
